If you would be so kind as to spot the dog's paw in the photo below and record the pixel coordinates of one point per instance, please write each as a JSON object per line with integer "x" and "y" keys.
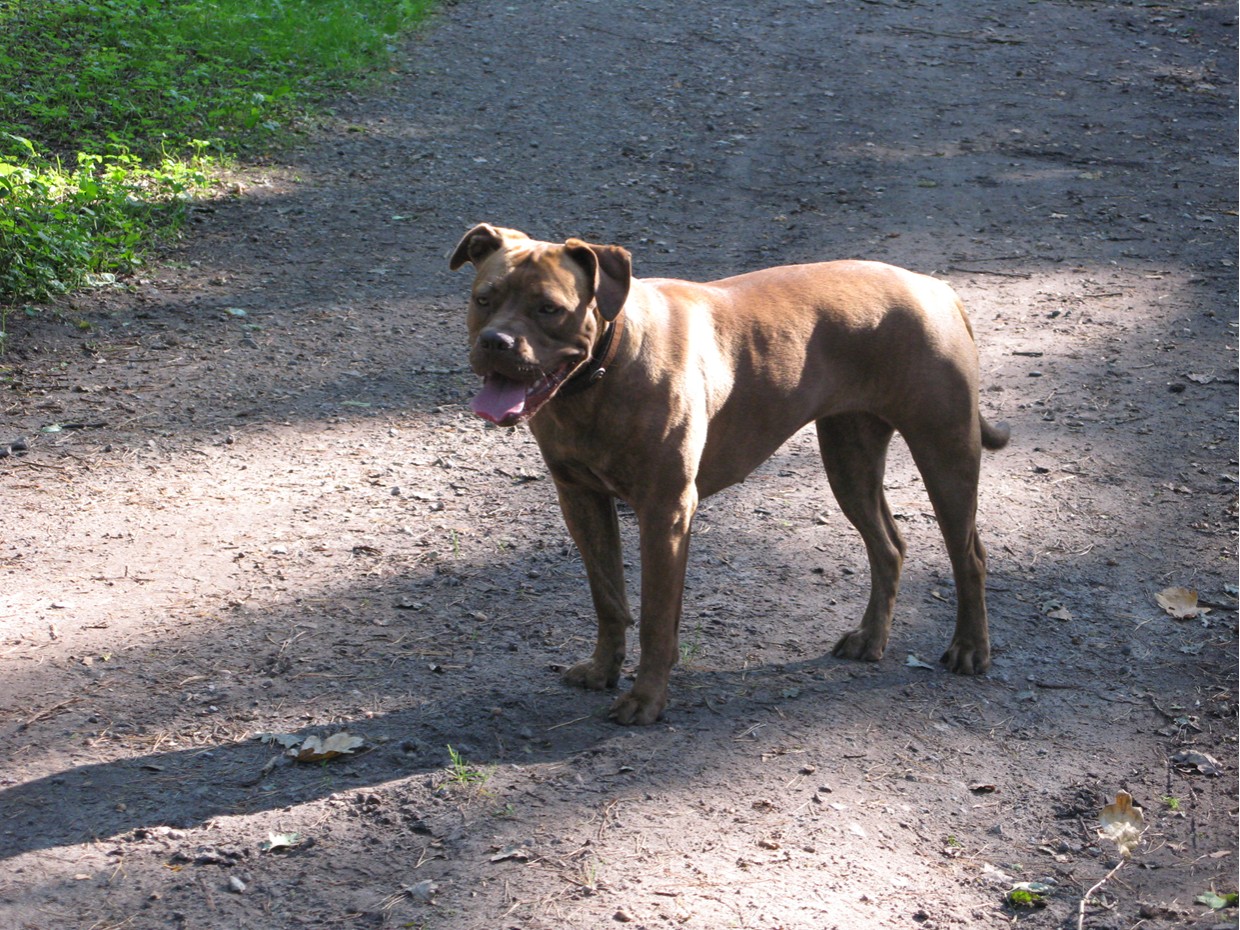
{"x": 633, "y": 709}
{"x": 593, "y": 677}
{"x": 967, "y": 658}
{"x": 860, "y": 644}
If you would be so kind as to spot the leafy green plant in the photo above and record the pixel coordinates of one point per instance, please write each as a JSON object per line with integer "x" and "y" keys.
{"x": 1024, "y": 897}
{"x": 114, "y": 112}
{"x": 1216, "y": 901}
{"x": 60, "y": 226}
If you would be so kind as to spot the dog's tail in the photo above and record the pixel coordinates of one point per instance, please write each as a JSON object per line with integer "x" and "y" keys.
{"x": 995, "y": 435}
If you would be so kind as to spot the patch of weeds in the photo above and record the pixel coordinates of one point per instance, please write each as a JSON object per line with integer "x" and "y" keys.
{"x": 691, "y": 646}
{"x": 464, "y": 775}
{"x": 587, "y": 877}
{"x": 1173, "y": 803}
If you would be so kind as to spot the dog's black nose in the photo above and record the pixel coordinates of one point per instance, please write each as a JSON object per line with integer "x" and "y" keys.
{"x": 495, "y": 341}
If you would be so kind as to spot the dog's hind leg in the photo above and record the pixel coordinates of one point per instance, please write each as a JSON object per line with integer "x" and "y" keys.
{"x": 854, "y": 451}
{"x": 949, "y": 459}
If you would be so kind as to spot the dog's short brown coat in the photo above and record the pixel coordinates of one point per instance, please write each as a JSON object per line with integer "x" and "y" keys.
{"x": 702, "y": 383}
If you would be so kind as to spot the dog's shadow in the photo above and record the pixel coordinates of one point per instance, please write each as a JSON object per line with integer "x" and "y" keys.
{"x": 186, "y": 788}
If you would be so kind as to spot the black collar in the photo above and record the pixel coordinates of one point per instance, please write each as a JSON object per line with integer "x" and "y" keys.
{"x": 594, "y": 370}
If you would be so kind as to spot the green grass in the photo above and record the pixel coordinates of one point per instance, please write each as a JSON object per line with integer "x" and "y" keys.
{"x": 462, "y": 774}
{"x": 113, "y": 111}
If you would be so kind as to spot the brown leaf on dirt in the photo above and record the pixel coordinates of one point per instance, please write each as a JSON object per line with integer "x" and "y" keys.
{"x": 1056, "y": 610}
{"x": 1180, "y": 603}
{"x": 1122, "y": 823}
{"x": 338, "y": 744}
{"x": 422, "y": 892}
{"x": 287, "y": 740}
{"x": 506, "y": 853}
{"x": 277, "y": 841}
{"x": 1191, "y": 760}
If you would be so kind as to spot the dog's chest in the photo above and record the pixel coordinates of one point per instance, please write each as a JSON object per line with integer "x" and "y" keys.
{"x": 581, "y": 456}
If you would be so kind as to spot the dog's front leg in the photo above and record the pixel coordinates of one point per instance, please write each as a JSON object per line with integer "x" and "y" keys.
{"x": 591, "y": 520}
{"x": 665, "y": 529}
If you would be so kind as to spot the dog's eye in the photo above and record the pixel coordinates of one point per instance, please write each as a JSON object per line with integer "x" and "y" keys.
{"x": 550, "y": 309}
{"x": 482, "y": 300}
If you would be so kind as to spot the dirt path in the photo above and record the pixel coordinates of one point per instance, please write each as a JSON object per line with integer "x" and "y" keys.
{"x": 250, "y": 499}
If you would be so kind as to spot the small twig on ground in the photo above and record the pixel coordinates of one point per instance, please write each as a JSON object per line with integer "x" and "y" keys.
{"x": 568, "y": 723}
{"x": 1080, "y": 913}
{"x": 47, "y": 712}
{"x": 1001, "y": 274}
{"x": 967, "y": 36}
{"x": 27, "y": 464}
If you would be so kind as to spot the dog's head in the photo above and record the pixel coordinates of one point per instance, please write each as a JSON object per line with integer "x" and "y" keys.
{"x": 536, "y": 312}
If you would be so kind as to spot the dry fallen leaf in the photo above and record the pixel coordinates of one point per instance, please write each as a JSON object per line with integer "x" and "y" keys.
{"x": 511, "y": 852}
{"x": 1190, "y": 759}
{"x": 316, "y": 750}
{"x": 1122, "y": 823}
{"x": 277, "y": 841}
{"x": 287, "y": 740}
{"x": 1180, "y": 603}
{"x": 423, "y": 891}
{"x": 1056, "y": 610}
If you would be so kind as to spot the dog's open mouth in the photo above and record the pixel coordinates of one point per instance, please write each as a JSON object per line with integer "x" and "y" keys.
{"x": 506, "y": 402}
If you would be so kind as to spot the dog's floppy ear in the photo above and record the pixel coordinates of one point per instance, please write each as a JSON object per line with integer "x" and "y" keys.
{"x": 611, "y": 268}
{"x": 476, "y": 245}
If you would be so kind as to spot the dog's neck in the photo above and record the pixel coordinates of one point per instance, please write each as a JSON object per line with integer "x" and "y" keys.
{"x": 602, "y": 356}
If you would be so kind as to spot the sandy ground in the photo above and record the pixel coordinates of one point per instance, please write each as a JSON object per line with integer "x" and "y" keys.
{"x": 244, "y": 496}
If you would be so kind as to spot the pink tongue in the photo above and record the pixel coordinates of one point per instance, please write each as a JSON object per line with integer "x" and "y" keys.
{"x": 499, "y": 399}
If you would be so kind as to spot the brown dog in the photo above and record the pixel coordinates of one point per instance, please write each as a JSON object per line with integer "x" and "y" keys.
{"x": 661, "y": 392}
